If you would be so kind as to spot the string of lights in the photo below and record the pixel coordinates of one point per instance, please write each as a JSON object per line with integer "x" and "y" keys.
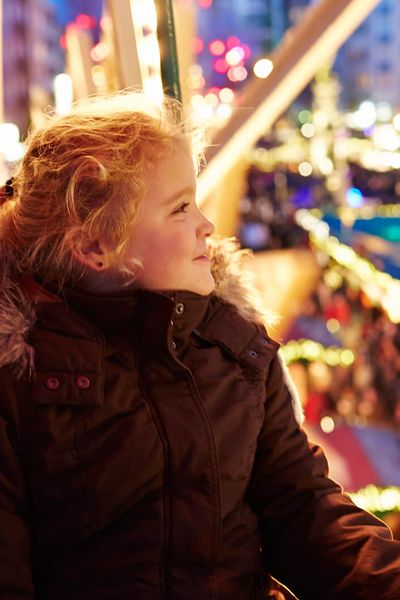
{"x": 311, "y": 351}
{"x": 381, "y": 288}
{"x": 377, "y": 499}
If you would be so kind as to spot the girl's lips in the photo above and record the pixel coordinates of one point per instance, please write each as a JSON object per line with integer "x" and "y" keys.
{"x": 203, "y": 257}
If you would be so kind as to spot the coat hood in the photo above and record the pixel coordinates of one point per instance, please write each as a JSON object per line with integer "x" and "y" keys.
{"x": 233, "y": 285}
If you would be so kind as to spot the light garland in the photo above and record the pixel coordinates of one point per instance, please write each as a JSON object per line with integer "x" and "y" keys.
{"x": 369, "y": 212}
{"x": 376, "y": 499}
{"x": 309, "y": 350}
{"x": 381, "y": 288}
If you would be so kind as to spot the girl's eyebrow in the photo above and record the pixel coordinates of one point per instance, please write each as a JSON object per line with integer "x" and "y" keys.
{"x": 189, "y": 190}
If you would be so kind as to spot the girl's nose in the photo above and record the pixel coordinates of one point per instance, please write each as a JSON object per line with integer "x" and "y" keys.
{"x": 207, "y": 226}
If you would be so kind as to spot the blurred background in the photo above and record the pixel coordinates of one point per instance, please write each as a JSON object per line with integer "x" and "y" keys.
{"x": 301, "y": 100}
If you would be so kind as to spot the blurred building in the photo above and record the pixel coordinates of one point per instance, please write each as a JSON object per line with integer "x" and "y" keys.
{"x": 257, "y": 25}
{"x": 32, "y": 57}
{"x": 368, "y": 62}
{"x": 68, "y": 10}
{"x": 296, "y": 9}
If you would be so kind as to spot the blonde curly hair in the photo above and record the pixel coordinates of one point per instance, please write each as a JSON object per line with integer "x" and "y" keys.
{"x": 84, "y": 171}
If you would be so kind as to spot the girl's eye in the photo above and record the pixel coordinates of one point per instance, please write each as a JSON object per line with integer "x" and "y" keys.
{"x": 182, "y": 208}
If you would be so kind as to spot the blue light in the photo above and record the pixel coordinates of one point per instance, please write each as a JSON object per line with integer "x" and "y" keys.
{"x": 354, "y": 198}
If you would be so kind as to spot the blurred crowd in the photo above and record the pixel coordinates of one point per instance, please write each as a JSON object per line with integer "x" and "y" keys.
{"x": 368, "y": 391}
{"x": 267, "y": 215}
{"x": 376, "y": 184}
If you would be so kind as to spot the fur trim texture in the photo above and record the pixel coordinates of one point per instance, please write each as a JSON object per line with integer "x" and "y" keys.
{"x": 17, "y": 318}
{"x": 232, "y": 284}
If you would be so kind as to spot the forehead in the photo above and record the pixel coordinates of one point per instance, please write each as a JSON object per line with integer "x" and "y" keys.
{"x": 166, "y": 177}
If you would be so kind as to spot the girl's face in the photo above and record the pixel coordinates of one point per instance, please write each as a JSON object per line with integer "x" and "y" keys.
{"x": 169, "y": 235}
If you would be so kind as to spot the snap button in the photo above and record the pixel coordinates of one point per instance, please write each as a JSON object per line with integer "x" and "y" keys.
{"x": 173, "y": 344}
{"x": 253, "y": 354}
{"x": 52, "y": 383}
{"x": 196, "y": 331}
{"x": 265, "y": 341}
{"x": 179, "y": 308}
{"x": 82, "y": 382}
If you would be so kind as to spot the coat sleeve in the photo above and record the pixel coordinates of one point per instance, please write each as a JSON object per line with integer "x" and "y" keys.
{"x": 15, "y": 565}
{"x": 315, "y": 540}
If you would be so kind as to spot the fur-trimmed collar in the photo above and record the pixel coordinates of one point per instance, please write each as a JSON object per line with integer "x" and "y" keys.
{"x": 17, "y": 310}
{"x": 17, "y": 317}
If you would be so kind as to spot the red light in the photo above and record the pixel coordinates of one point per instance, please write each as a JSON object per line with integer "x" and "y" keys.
{"x": 205, "y": 3}
{"x": 247, "y": 51}
{"x": 216, "y": 47}
{"x": 198, "y": 45}
{"x": 232, "y": 41}
{"x": 85, "y": 22}
{"x": 63, "y": 41}
{"x": 213, "y": 90}
{"x": 220, "y": 65}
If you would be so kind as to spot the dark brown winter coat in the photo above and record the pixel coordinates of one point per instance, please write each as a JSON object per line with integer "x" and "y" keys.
{"x": 155, "y": 453}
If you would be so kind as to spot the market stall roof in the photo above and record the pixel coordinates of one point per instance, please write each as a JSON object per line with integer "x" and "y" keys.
{"x": 360, "y": 456}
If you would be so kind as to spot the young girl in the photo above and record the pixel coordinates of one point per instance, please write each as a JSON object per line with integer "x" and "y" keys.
{"x": 150, "y": 441}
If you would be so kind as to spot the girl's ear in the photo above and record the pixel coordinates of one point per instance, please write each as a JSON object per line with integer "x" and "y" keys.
{"x": 95, "y": 254}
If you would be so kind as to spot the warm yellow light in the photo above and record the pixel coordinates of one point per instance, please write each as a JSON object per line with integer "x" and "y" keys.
{"x": 386, "y": 138}
{"x": 204, "y": 112}
{"x": 99, "y": 76}
{"x": 378, "y": 286}
{"x": 197, "y": 100}
{"x": 226, "y": 95}
{"x": 99, "y": 52}
{"x": 391, "y": 302}
{"x": 211, "y": 99}
{"x": 63, "y": 93}
{"x": 145, "y": 14}
{"x": 196, "y": 82}
{"x": 150, "y": 50}
{"x": 333, "y": 182}
{"x": 305, "y": 169}
{"x": 333, "y": 280}
{"x": 263, "y": 68}
{"x": 10, "y": 146}
{"x": 9, "y": 134}
{"x": 396, "y": 121}
{"x": 224, "y": 111}
{"x": 325, "y": 165}
{"x": 384, "y": 112}
{"x": 333, "y": 325}
{"x": 365, "y": 116}
{"x": 308, "y": 130}
{"x": 374, "y": 499}
{"x": 332, "y": 357}
{"x": 195, "y": 69}
{"x": 260, "y": 154}
{"x": 312, "y": 349}
{"x": 327, "y": 424}
{"x": 347, "y": 357}
{"x": 152, "y": 86}
{"x": 235, "y": 56}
